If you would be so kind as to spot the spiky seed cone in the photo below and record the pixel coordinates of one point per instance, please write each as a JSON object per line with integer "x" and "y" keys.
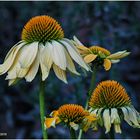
{"x": 42, "y": 29}
{"x": 109, "y": 94}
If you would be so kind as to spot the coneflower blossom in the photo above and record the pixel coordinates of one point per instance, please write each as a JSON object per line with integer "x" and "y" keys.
{"x": 42, "y": 44}
{"x": 99, "y": 56}
{"x": 72, "y": 115}
{"x": 111, "y": 103}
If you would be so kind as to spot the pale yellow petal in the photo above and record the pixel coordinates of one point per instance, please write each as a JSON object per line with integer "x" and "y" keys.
{"x": 22, "y": 72}
{"x": 10, "y": 58}
{"x": 74, "y": 53}
{"x": 43, "y": 65}
{"x": 70, "y": 64}
{"x": 33, "y": 69}
{"x": 77, "y": 41}
{"x": 60, "y": 73}
{"x": 90, "y": 57}
{"x": 58, "y": 55}
{"x": 107, "y": 64}
{"x": 12, "y": 81}
{"x": 107, "y": 121}
{"x": 118, "y": 55}
{"x": 28, "y": 54}
{"x": 117, "y": 128}
{"x": 14, "y": 70}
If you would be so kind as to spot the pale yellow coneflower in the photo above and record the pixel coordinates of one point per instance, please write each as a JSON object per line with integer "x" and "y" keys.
{"x": 111, "y": 103}
{"x": 74, "y": 116}
{"x": 42, "y": 44}
{"x": 99, "y": 56}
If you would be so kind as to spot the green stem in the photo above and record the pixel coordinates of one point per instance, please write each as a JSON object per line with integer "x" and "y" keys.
{"x": 92, "y": 86}
{"x": 72, "y": 133}
{"x": 42, "y": 107}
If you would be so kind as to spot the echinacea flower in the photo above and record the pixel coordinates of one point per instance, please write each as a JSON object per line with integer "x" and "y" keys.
{"x": 98, "y": 55}
{"x": 72, "y": 115}
{"x": 111, "y": 103}
{"x": 42, "y": 44}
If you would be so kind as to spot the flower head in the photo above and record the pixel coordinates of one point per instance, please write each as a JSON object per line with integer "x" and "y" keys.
{"x": 42, "y": 44}
{"x": 111, "y": 103}
{"x": 71, "y": 115}
{"x": 99, "y": 56}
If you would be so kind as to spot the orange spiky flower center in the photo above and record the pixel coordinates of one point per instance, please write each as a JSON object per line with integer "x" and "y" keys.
{"x": 42, "y": 29}
{"x": 109, "y": 94}
{"x": 72, "y": 113}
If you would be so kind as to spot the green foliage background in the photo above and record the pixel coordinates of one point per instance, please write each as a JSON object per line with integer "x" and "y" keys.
{"x": 113, "y": 25}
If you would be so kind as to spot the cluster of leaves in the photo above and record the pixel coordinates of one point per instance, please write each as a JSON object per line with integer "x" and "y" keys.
{"x": 113, "y": 25}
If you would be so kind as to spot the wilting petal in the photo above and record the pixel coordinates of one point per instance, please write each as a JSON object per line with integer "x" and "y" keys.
{"x": 28, "y": 54}
{"x": 60, "y": 73}
{"x": 117, "y": 128}
{"x": 70, "y": 64}
{"x": 106, "y": 118}
{"x": 115, "y": 61}
{"x": 45, "y": 59}
{"x": 33, "y": 69}
{"x": 74, "y": 125}
{"x": 77, "y": 41}
{"x": 126, "y": 116}
{"x": 119, "y": 55}
{"x": 90, "y": 57}
{"x": 13, "y": 81}
{"x": 114, "y": 116}
{"x": 107, "y": 64}
{"x": 115, "y": 119}
{"x": 9, "y": 60}
{"x": 74, "y": 53}
{"x": 133, "y": 117}
{"x": 58, "y": 55}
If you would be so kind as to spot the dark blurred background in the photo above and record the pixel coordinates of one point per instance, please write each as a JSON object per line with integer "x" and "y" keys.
{"x": 113, "y": 25}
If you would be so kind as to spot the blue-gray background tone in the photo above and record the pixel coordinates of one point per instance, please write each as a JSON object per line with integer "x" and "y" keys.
{"x": 113, "y": 25}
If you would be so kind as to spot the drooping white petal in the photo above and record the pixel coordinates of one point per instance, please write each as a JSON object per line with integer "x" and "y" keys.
{"x": 74, "y": 53}
{"x": 115, "y": 119}
{"x": 126, "y": 116}
{"x": 10, "y": 58}
{"x": 60, "y": 73}
{"x": 106, "y": 119}
{"x": 23, "y": 61}
{"x": 77, "y": 41}
{"x": 13, "y": 49}
{"x": 133, "y": 117}
{"x": 70, "y": 64}
{"x": 58, "y": 55}
{"x": 33, "y": 69}
{"x": 45, "y": 59}
{"x": 114, "y": 116}
{"x": 28, "y": 54}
